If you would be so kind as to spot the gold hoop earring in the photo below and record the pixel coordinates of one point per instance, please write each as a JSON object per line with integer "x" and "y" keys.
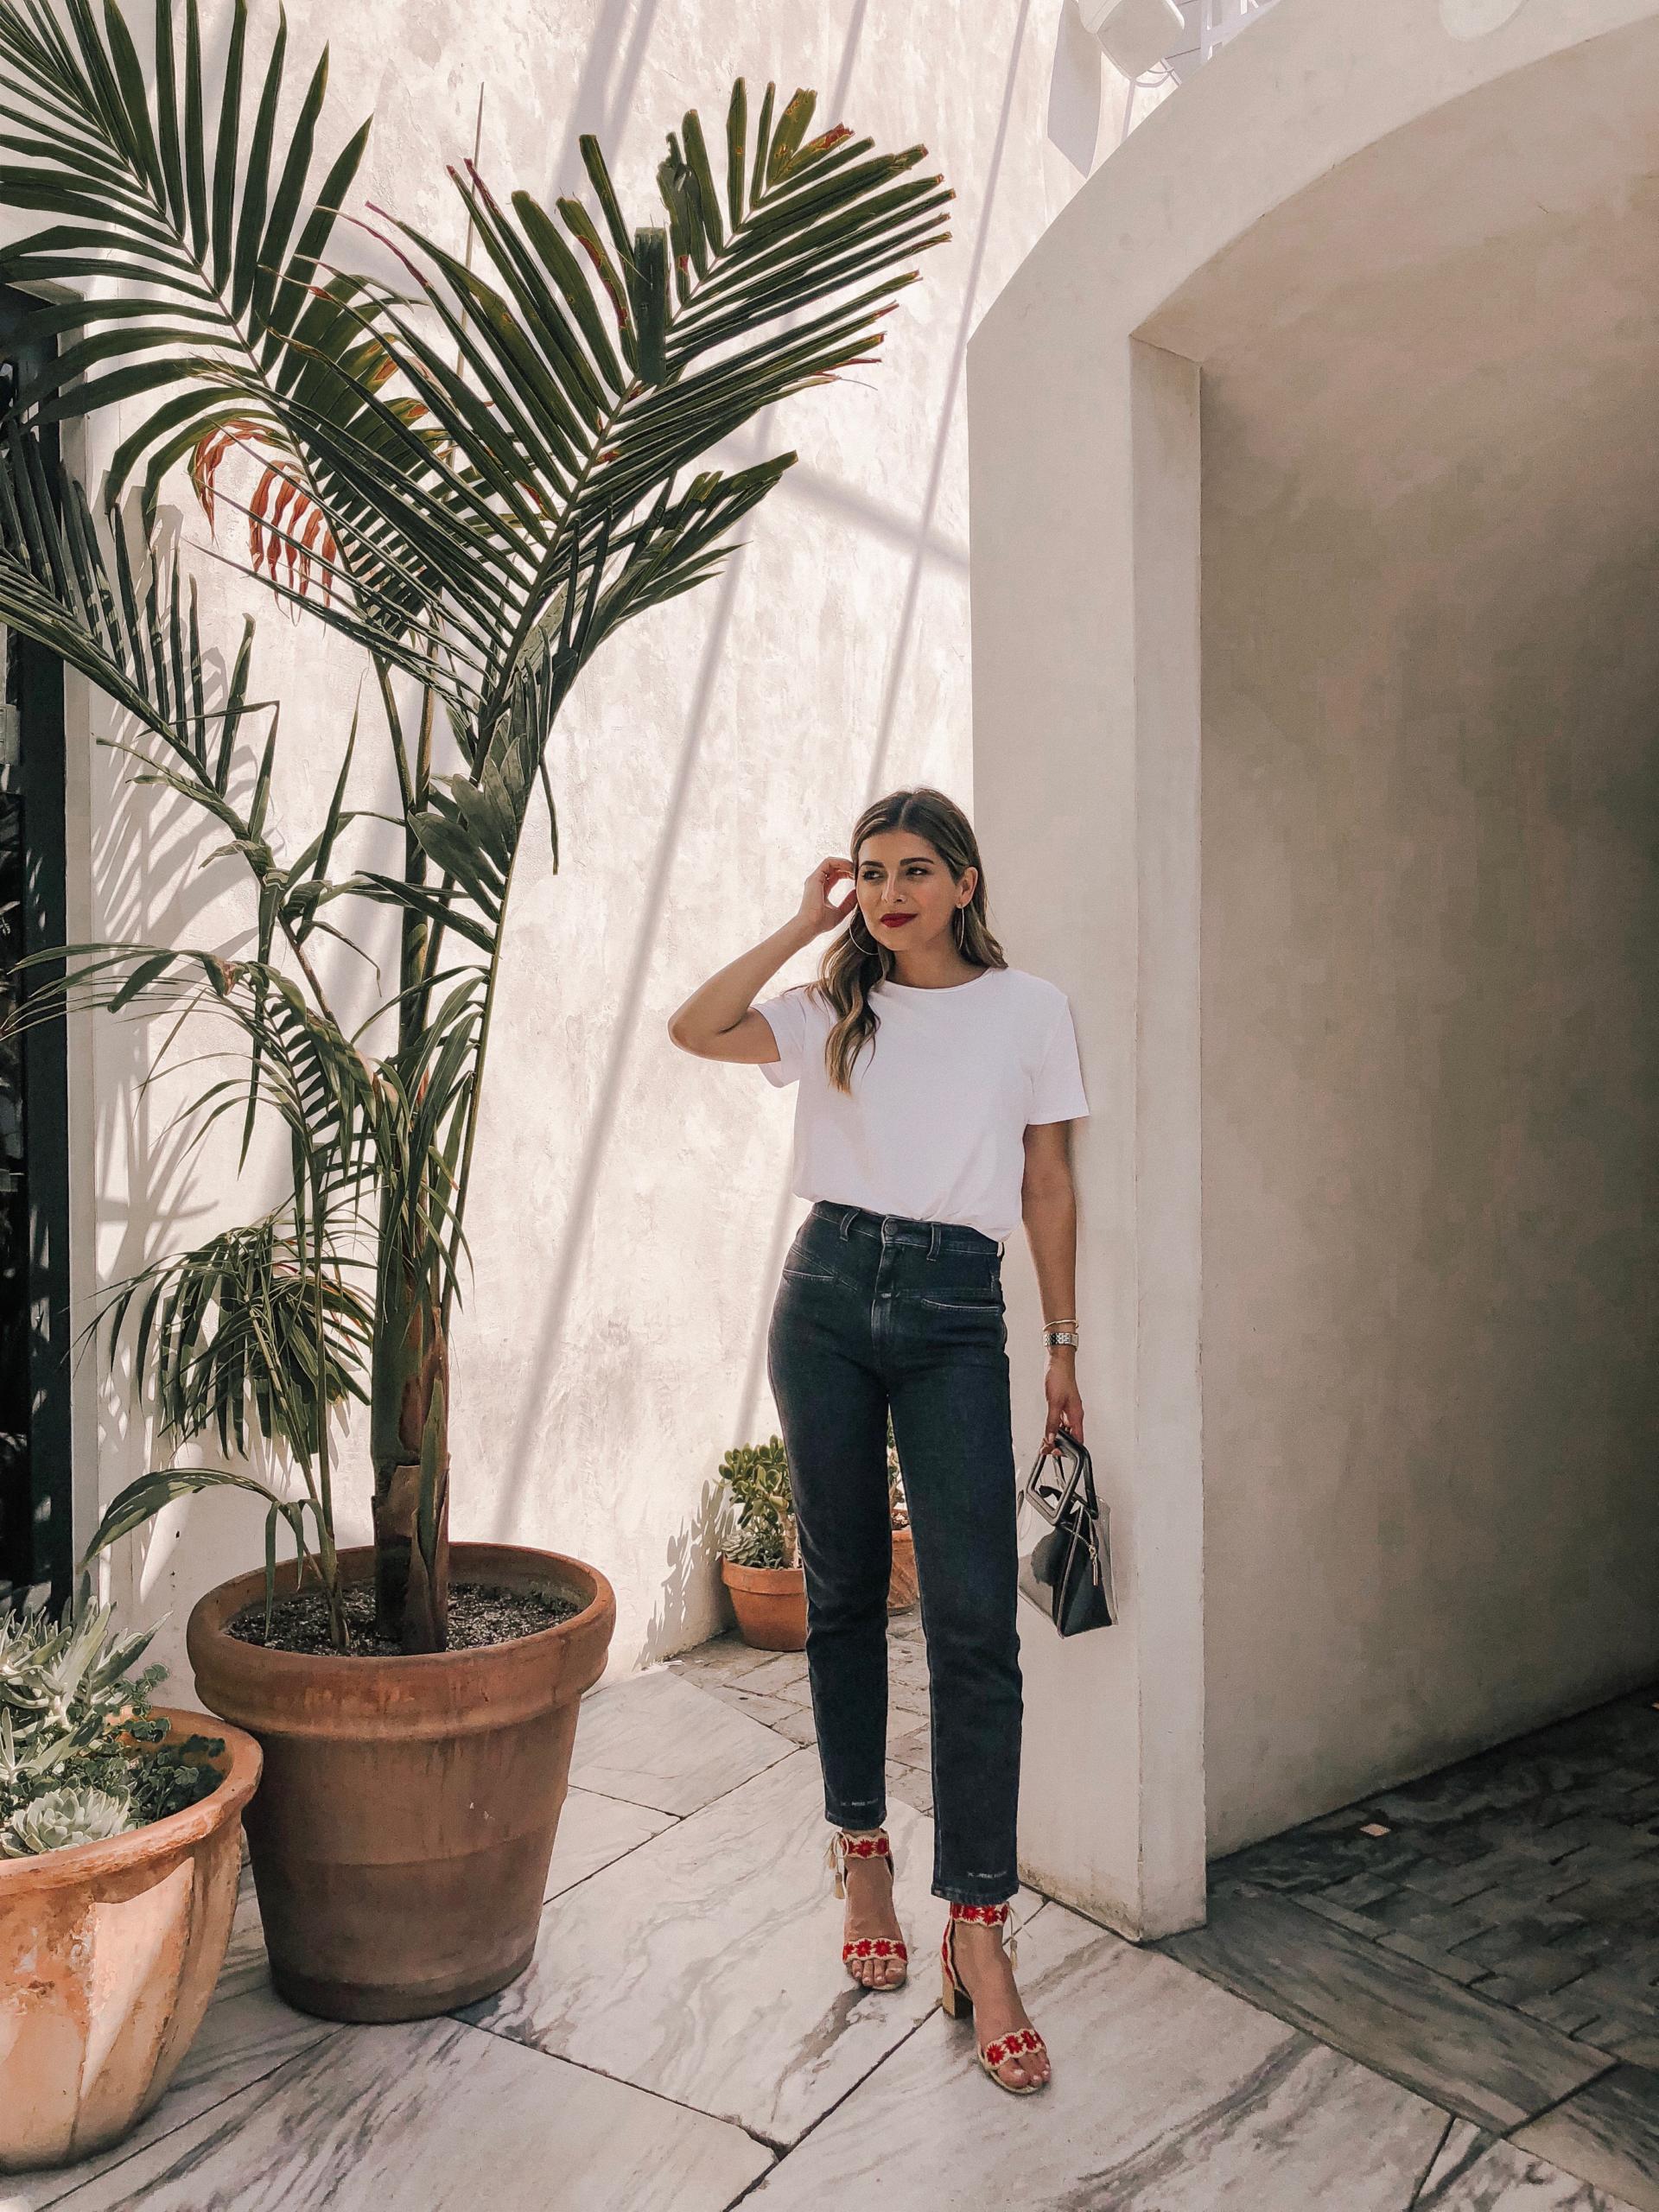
{"x": 871, "y": 947}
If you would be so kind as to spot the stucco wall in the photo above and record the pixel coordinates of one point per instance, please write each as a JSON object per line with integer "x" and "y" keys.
{"x": 1404, "y": 253}
{"x": 632, "y": 1207}
{"x": 1430, "y": 1029}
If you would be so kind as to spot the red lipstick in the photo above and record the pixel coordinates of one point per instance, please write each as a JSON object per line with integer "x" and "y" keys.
{"x": 896, "y": 921}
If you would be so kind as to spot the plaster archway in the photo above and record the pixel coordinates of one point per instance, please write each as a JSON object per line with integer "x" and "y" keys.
{"x": 1310, "y": 474}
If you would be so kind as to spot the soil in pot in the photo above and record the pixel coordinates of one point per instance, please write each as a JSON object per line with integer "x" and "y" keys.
{"x": 480, "y": 1613}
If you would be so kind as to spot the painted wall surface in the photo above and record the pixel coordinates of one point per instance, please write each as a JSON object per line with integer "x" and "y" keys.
{"x": 1367, "y": 1367}
{"x": 1431, "y": 1030}
{"x": 631, "y": 1208}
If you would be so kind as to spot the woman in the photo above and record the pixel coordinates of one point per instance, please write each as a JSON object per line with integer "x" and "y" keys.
{"x": 935, "y": 1087}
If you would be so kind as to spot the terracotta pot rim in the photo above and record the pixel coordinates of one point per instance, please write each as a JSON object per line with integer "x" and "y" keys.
{"x": 212, "y": 1612}
{"x": 769, "y": 1586}
{"x": 239, "y": 1768}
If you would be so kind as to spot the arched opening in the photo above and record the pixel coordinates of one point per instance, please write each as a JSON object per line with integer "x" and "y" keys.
{"x": 1430, "y": 1029}
{"x": 1315, "y": 530}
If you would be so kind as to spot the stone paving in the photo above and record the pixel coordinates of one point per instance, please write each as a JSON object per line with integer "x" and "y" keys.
{"x": 686, "y": 2041}
{"x": 1529, "y": 1874}
{"x": 771, "y": 1686}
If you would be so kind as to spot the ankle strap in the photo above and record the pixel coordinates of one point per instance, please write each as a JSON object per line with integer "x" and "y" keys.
{"x": 842, "y": 1846}
{"x": 864, "y": 1846}
{"x": 995, "y": 1916}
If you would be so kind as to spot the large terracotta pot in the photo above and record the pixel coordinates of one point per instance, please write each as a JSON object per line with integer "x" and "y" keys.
{"x": 109, "y": 1953}
{"x": 401, "y": 1843}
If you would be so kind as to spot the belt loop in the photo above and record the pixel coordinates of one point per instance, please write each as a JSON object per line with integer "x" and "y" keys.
{"x": 847, "y": 1222}
{"x": 934, "y": 1240}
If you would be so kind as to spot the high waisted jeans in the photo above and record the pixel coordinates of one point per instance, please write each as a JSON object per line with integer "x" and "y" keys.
{"x": 875, "y": 1310}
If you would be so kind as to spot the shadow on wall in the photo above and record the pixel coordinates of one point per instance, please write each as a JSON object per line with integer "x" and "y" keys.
{"x": 1074, "y": 90}
{"x": 153, "y": 879}
{"x": 674, "y": 1620}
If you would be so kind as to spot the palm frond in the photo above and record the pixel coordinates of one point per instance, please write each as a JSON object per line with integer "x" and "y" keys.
{"x": 232, "y": 1326}
{"x": 124, "y": 615}
{"x": 184, "y": 192}
{"x": 588, "y": 382}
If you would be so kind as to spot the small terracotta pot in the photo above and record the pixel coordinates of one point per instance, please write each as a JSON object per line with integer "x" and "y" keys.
{"x": 902, "y": 1590}
{"x": 109, "y": 1953}
{"x": 401, "y": 1843}
{"x": 770, "y": 1603}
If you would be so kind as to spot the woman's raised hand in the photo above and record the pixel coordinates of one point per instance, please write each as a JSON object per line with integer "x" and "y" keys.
{"x": 818, "y": 913}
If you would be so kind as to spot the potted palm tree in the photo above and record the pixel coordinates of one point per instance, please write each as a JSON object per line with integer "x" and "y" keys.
{"x": 760, "y": 1565}
{"x": 475, "y": 475}
{"x": 120, "y": 1847}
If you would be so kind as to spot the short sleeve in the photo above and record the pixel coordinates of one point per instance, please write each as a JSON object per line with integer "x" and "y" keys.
{"x": 787, "y": 1016}
{"x": 1056, "y": 1092}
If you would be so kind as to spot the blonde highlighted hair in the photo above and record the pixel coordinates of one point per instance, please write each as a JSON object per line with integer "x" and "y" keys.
{"x": 848, "y": 973}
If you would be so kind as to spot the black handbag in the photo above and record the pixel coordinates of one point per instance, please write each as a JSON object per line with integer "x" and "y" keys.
{"x": 1067, "y": 1572}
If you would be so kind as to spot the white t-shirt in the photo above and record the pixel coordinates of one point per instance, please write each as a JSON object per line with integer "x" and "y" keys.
{"x": 934, "y": 1126}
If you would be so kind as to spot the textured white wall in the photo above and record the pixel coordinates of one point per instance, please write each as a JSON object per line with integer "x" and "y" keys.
{"x": 1430, "y": 1034}
{"x": 1398, "y": 943}
{"x": 631, "y": 1204}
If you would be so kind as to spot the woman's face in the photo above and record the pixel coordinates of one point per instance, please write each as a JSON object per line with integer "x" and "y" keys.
{"x": 906, "y": 894}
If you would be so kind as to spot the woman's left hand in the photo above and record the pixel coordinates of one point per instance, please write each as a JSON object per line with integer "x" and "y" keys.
{"x": 1064, "y": 1406}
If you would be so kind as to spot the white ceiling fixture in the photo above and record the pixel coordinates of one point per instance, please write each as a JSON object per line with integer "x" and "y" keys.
{"x": 1136, "y": 34}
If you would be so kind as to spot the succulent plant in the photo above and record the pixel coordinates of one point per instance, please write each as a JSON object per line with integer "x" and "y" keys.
{"x": 757, "y": 1477}
{"x": 82, "y": 1757}
{"x": 63, "y": 1817}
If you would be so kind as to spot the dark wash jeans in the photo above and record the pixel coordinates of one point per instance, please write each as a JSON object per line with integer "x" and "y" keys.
{"x": 875, "y": 1310}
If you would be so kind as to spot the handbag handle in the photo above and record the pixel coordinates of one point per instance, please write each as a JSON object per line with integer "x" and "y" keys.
{"x": 1082, "y": 1471}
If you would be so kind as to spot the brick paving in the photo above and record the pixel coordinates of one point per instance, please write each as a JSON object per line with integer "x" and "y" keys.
{"x": 1529, "y": 1873}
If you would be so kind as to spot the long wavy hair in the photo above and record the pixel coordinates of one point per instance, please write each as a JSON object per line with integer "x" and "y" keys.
{"x": 848, "y": 973}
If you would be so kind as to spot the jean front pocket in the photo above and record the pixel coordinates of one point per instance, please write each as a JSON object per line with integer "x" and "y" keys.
{"x": 964, "y": 1291}
{"x": 805, "y": 1263}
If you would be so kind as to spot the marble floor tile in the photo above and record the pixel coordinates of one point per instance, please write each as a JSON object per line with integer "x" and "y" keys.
{"x": 726, "y": 1655}
{"x": 1477, "y": 2172}
{"x": 438, "y": 2118}
{"x": 913, "y": 1785}
{"x": 593, "y": 1831}
{"x": 1492, "y": 2065}
{"x": 657, "y": 1739}
{"x": 798, "y": 1726}
{"x": 783, "y": 1676}
{"x": 706, "y": 1965}
{"x": 247, "y": 2034}
{"x": 755, "y": 1703}
{"x": 1608, "y": 2134}
{"x": 1463, "y": 2144}
{"x": 1168, "y": 2095}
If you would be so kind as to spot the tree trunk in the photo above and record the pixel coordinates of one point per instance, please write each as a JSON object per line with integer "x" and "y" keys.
{"x": 409, "y": 1441}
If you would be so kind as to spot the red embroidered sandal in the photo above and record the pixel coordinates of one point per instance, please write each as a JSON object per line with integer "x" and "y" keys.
{"x": 960, "y": 2005}
{"x": 842, "y": 1847}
